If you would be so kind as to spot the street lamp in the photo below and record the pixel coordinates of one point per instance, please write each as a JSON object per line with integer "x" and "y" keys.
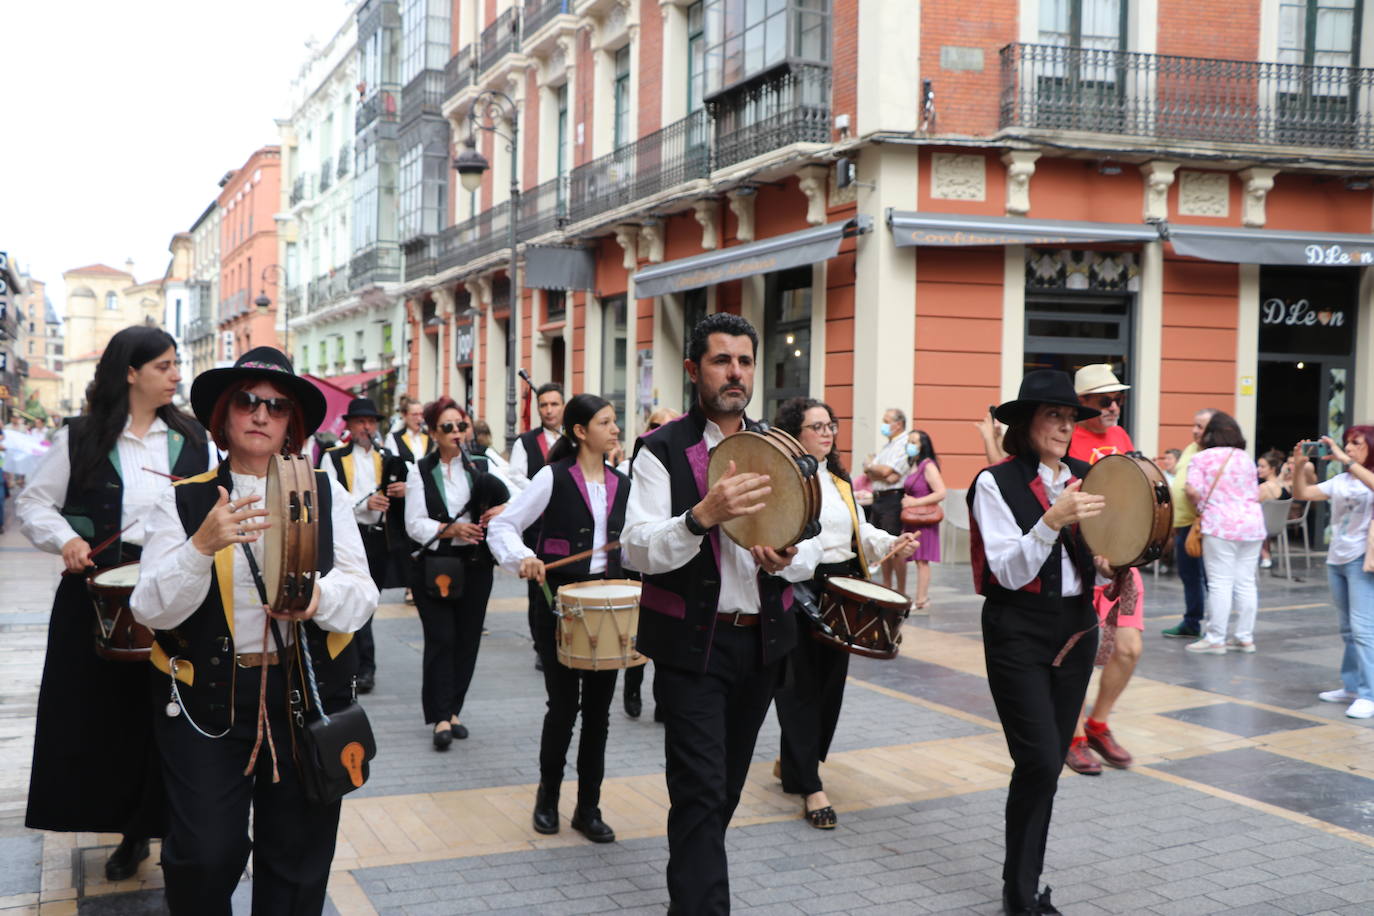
{"x": 471, "y": 166}
{"x": 278, "y": 273}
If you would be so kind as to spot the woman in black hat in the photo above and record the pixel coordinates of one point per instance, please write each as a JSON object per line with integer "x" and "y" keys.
{"x": 221, "y": 717}
{"x": 87, "y": 502}
{"x": 1036, "y": 575}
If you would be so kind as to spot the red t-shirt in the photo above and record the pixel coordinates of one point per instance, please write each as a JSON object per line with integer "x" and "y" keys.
{"x": 1091, "y": 447}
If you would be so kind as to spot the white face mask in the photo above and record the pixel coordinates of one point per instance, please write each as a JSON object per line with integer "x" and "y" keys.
{"x": 885, "y": 430}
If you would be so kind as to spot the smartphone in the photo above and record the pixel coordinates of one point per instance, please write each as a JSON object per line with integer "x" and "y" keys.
{"x": 1316, "y": 450}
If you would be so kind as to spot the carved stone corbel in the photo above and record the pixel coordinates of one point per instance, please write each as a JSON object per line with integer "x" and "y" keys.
{"x": 651, "y": 240}
{"x": 444, "y": 299}
{"x": 1020, "y": 167}
{"x": 1259, "y": 182}
{"x": 813, "y": 182}
{"x": 707, "y": 213}
{"x": 627, "y": 237}
{"x": 742, "y": 205}
{"x": 1159, "y": 177}
{"x": 479, "y": 288}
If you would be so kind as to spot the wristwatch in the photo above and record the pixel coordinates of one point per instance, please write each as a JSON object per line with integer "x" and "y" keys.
{"x": 694, "y": 526}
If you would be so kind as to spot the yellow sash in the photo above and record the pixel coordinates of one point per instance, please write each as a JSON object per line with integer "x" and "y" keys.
{"x": 847, "y": 494}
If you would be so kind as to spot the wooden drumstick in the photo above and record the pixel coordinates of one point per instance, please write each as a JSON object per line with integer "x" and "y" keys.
{"x": 102, "y": 545}
{"x": 172, "y": 477}
{"x": 612, "y": 545}
{"x": 887, "y": 556}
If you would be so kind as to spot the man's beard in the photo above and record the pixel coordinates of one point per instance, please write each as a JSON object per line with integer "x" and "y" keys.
{"x": 727, "y": 401}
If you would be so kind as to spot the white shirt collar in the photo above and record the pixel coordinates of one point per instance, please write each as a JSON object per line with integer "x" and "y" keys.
{"x": 157, "y": 426}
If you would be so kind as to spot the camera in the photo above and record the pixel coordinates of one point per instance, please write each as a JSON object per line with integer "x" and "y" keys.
{"x": 1316, "y": 449}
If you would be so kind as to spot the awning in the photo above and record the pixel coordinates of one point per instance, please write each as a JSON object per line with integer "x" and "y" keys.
{"x": 559, "y": 267}
{"x": 1271, "y": 246}
{"x": 356, "y": 381}
{"x": 956, "y": 229}
{"x": 795, "y": 249}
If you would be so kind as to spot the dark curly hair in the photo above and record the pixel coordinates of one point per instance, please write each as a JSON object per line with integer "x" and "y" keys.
{"x": 1223, "y": 432}
{"x": 790, "y": 415}
{"x": 719, "y": 323}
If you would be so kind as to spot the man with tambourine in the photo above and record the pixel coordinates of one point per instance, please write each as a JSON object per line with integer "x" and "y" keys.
{"x": 714, "y": 617}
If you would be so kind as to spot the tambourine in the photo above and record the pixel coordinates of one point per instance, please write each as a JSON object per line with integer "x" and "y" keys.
{"x": 1136, "y": 525}
{"x": 793, "y": 509}
{"x": 289, "y": 546}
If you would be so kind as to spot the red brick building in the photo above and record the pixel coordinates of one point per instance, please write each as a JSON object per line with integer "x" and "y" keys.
{"x": 248, "y": 201}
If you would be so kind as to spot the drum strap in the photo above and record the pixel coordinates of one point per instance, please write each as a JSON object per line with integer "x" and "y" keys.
{"x": 847, "y": 494}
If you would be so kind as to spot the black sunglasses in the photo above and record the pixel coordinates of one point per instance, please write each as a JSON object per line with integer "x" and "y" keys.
{"x": 1103, "y": 401}
{"x": 248, "y": 402}
{"x": 461, "y": 427}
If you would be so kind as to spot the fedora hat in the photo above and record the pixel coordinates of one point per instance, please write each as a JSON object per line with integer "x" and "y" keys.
{"x": 1043, "y": 386}
{"x": 266, "y": 363}
{"x": 361, "y": 407}
{"x": 1097, "y": 378}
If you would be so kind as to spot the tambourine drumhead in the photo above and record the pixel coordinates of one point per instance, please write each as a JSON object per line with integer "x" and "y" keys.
{"x": 788, "y": 507}
{"x": 273, "y": 553}
{"x": 125, "y": 576}
{"x": 1124, "y": 530}
{"x": 862, "y": 588}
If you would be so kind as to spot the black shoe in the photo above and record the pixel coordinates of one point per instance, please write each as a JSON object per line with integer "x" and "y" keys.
{"x": 545, "y": 812}
{"x": 590, "y": 825}
{"x": 123, "y": 862}
{"x": 633, "y": 705}
{"x": 460, "y": 731}
{"x": 442, "y": 739}
{"x": 1043, "y": 905}
{"x": 366, "y": 682}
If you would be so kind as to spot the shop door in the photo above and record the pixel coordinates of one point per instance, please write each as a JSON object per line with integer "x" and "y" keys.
{"x": 787, "y": 339}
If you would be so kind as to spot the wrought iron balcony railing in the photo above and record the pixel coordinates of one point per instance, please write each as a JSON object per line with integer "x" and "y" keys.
{"x": 460, "y": 71}
{"x": 326, "y": 175}
{"x": 539, "y": 13}
{"x": 501, "y": 37}
{"x": 300, "y": 189}
{"x": 473, "y": 238}
{"x": 667, "y": 157}
{"x": 422, "y": 95}
{"x": 543, "y": 208}
{"x": 378, "y": 264}
{"x": 381, "y": 104}
{"x": 345, "y": 160}
{"x": 419, "y": 257}
{"x": 1165, "y": 96}
{"x": 776, "y": 111}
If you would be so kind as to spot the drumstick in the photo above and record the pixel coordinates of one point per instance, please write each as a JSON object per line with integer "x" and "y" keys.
{"x": 889, "y": 555}
{"x": 102, "y": 545}
{"x": 581, "y": 556}
{"x": 172, "y": 477}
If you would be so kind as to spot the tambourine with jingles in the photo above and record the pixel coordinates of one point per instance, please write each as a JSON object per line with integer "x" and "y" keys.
{"x": 289, "y": 546}
{"x": 793, "y": 508}
{"x": 1136, "y": 525}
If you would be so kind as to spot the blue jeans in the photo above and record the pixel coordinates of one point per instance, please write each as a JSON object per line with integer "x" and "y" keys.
{"x": 1352, "y": 591}
{"x": 1194, "y": 576}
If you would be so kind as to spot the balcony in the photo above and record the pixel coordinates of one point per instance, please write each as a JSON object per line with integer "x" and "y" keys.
{"x": 291, "y": 301}
{"x": 419, "y": 257}
{"x": 380, "y": 105}
{"x": 543, "y": 209}
{"x": 473, "y": 238}
{"x": 345, "y": 160}
{"x": 460, "y": 71}
{"x": 539, "y": 13}
{"x": 326, "y": 175}
{"x": 1171, "y": 98}
{"x": 668, "y": 157}
{"x": 379, "y": 264}
{"x": 301, "y": 189}
{"x": 233, "y": 306}
{"x": 500, "y": 38}
{"x": 423, "y": 95}
{"x": 786, "y": 107}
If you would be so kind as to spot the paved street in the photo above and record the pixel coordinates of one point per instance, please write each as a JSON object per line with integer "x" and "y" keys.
{"x": 1249, "y": 795}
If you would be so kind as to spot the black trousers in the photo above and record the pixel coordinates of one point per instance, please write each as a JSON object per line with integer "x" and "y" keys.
{"x": 1038, "y": 705}
{"x": 568, "y": 690}
{"x": 209, "y": 798}
{"x": 711, "y": 721}
{"x": 374, "y": 543}
{"x": 453, "y": 635}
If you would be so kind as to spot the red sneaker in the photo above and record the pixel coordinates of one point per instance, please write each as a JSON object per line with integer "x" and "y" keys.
{"x": 1112, "y": 754}
{"x": 1082, "y": 761}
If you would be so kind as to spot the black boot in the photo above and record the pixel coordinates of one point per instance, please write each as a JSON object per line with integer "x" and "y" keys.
{"x": 633, "y": 705}
{"x": 123, "y": 862}
{"x": 588, "y": 822}
{"x": 545, "y": 811}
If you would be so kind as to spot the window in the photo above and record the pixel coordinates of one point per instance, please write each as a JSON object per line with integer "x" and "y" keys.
{"x": 555, "y": 305}
{"x": 787, "y": 335}
{"x": 622, "y": 96}
{"x": 1099, "y": 24}
{"x": 111, "y": 302}
{"x": 322, "y": 361}
{"x": 386, "y": 339}
{"x": 693, "y": 310}
{"x": 561, "y": 95}
{"x": 613, "y": 352}
{"x": 339, "y": 350}
{"x": 410, "y": 193}
{"x": 696, "y": 56}
{"x": 745, "y": 38}
{"x": 1323, "y": 35}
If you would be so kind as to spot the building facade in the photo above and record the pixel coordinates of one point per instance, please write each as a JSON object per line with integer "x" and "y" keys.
{"x": 203, "y": 347}
{"x": 248, "y": 203}
{"x": 96, "y": 308}
{"x": 15, "y": 292}
{"x": 177, "y": 312}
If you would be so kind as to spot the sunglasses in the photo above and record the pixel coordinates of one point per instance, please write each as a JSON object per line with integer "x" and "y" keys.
{"x": 1103, "y": 401}
{"x": 822, "y": 428}
{"x": 454, "y": 427}
{"x": 277, "y": 408}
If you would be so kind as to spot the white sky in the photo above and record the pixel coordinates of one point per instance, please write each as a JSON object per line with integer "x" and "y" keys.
{"x": 120, "y": 119}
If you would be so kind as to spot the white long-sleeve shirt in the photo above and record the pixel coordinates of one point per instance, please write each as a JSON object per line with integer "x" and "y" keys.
{"x": 456, "y": 489}
{"x": 1015, "y": 558}
{"x": 520, "y": 462}
{"x": 655, "y": 541}
{"x": 505, "y": 530}
{"x": 364, "y": 483}
{"x": 175, "y": 576}
{"x": 837, "y": 528}
{"x": 39, "y": 503}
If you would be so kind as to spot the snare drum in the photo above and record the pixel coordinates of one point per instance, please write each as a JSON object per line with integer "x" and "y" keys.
{"x": 1136, "y": 525}
{"x": 118, "y": 637}
{"x": 598, "y": 622}
{"x": 861, "y": 617}
{"x": 793, "y": 508}
{"x": 288, "y": 547}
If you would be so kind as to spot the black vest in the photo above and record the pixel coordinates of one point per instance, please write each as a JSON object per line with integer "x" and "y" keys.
{"x": 534, "y": 455}
{"x": 484, "y": 491}
{"x": 568, "y": 523}
{"x": 204, "y": 642}
{"x": 1019, "y": 483}
{"x": 684, "y": 602}
{"x": 94, "y": 506}
{"x": 403, "y": 450}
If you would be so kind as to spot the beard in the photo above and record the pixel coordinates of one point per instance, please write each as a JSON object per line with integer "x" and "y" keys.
{"x": 727, "y": 400}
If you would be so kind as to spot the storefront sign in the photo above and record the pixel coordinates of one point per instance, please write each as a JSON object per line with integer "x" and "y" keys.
{"x": 1335, "y": 255}
{"x": 1306, "y": 310}
{"x": 462, "y": 345}
{"x": 1300, "y": 314}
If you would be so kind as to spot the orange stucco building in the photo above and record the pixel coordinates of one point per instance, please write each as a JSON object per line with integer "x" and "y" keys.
{"x": 248, "y": 201}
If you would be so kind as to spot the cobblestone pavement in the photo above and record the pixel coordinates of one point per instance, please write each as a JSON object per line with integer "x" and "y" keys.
{"x": 1248, "y": 795}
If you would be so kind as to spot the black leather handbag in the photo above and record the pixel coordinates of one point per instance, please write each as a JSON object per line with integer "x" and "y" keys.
{"x": 443, "y": 578}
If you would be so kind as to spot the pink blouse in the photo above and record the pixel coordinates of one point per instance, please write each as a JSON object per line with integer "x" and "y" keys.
{"x": 1233, "y": 512}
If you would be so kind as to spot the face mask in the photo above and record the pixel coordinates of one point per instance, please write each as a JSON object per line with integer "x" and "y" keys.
{"x": 885, "y": 430}
{"x": 912, "y": 450}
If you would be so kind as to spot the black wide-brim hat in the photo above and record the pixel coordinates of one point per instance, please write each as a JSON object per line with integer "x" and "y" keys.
{"x": 1043, "y": 386}
{"x": 269, "y": 364}
{"x": 361, "y": 407}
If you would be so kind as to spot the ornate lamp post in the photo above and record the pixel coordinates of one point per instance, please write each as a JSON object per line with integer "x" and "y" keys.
{"x": 471, "y": 166}
{"x": 277, "y": 274}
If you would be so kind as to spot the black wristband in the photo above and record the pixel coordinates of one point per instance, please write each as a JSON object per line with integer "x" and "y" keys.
{"x": 694, "y": 526}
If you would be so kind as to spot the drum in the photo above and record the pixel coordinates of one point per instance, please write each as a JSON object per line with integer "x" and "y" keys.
{"x": 118, "y": 637}
{"x": 1137, "y": 524}
{"x": 598, "y": 621}
{"x": 793, "y": 507}
{"x": 288, "y": 547}
{"x": 861, "y": 617}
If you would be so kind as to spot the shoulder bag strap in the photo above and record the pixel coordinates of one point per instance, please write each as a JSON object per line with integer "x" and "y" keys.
{"x": 1208, "y": 500}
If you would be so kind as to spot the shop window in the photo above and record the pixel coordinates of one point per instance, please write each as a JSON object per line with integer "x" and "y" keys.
{"x": 613, "y": 353}
{"x": 693, "y": 310}
{"x": 555, "y": 305}
{"x": 787, "y": 338}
